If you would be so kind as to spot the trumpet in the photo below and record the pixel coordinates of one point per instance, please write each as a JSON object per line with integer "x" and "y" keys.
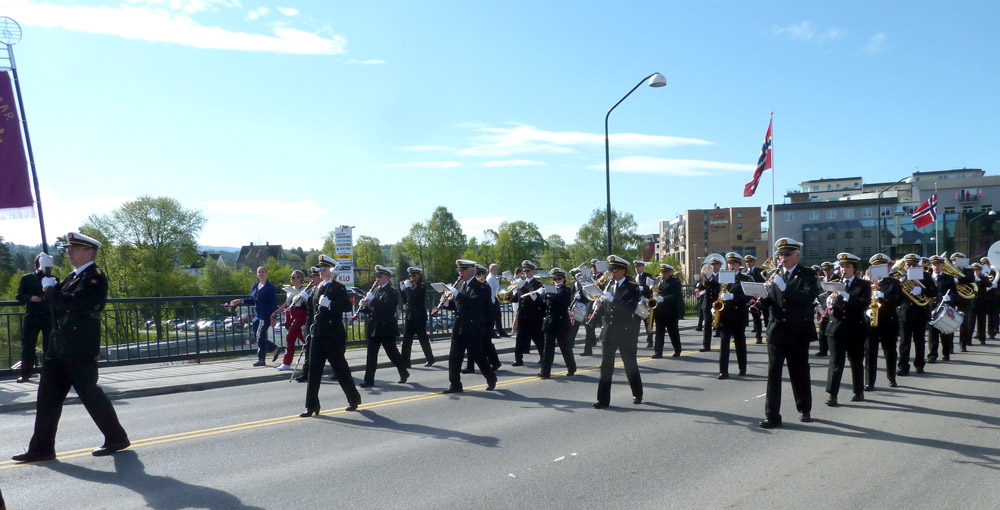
{"x": 447, "y": 296}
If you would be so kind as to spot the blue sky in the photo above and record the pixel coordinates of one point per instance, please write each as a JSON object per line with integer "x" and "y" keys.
{"x": 280, "y": 121}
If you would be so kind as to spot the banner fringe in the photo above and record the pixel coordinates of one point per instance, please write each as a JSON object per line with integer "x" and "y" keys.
{"x": 17, "y": 213}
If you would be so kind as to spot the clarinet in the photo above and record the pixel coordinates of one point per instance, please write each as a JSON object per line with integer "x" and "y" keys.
{"x": 445, "y": 297}
{"x": 364, "y": 302}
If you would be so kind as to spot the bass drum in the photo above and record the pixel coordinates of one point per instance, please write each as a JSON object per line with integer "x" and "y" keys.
{"x": 580, "y": 311}
{"x": 947, "y": 320}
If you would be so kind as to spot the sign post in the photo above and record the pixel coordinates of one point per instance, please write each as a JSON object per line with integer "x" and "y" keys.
{"x": 344, "y": 245}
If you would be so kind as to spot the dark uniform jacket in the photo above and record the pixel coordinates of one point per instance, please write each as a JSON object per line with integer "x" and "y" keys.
{"x": 414, "y": 297}
{"x": 792, "y": 309}
{"x": 557, "y": 310}
{"x": 893, "y": 290}
{"x": 710, "y": 288}
{"x": 673, "y": 299}
{"x": 981, "y": 304}
{"x": 619, "y": 325}
{"x": 945, "y": 284}
{"x": 646, "y": 282}
{"x": 530, "y": 310}
{"x": 383, "y": 323}
{"x": 329, "y": 322}
{"x": 470, "y": 311}
{"x": 78, "y": 302}
{"x": 909, "y": 311}
{"x": 30, "y": 286}
{"x": 757, "y": 274}
{"x": 736, "y": 309}
{"x": 847, "y": 318}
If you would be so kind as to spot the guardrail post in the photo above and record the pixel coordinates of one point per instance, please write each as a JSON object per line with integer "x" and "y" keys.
{"x": 197, "y": 336}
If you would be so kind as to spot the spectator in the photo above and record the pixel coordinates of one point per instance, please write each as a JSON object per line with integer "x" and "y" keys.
{"x": 265, "y": 300}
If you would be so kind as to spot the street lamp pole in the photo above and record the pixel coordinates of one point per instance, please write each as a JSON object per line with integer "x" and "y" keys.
{"x": 878, "y": 206}
{"x": 969, "y": 229}
{"x": 655, "y": 80}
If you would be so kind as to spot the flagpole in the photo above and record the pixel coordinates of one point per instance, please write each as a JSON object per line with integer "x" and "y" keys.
{"x": 937, "y": 236}
{"x": 770, "y": 230}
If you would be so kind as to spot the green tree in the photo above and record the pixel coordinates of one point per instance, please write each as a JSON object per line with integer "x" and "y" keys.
{"x": 367, "y": 252}
{"x": 514, "y": 242}
{"x": 479, "y": 252}
{"x": 445, "y": 241}
{"x": 556, "y": 253}
{"x": 414, "y": 247}
{"x": 217, "y": 279}
{"x": 311, "y": 259}
{"x": 592, "y": 238}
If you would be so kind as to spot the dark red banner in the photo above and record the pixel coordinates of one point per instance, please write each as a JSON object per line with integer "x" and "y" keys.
{"x": 15, "y": 186}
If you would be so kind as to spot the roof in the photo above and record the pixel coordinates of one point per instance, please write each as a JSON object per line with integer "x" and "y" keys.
{"x": 259, "y": 253}
{"x": 830, "y": 179}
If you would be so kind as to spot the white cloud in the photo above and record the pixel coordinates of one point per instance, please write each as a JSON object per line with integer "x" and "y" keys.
{"x": 147, "y": 22}
{"x": 61, "y": 215}
{"x": 806, "y": 31}
{"x": 257, "y": 13}
{"x": 512, "y": 162}
{"x": 876, "y": 44}
{"x": 425, "y": 164}
{"x": 476, "y": 226}
{"x": 520, "y": 139}
{"x": 673, "y": 167}
{"x": 288, "y": 11}
{"x": 291, "y": 211}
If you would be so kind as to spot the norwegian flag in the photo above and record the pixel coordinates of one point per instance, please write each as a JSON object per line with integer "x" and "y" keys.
{"x": 926, "y": 213}
{"x": 763, "y": 163}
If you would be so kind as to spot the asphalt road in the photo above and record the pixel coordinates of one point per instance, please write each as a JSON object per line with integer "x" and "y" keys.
{"x": 934, "y": 442}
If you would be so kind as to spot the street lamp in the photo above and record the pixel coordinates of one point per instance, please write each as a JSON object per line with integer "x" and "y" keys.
{"x": 878, "y": 202}
{"x": 991, "y": 213}
{"x": 655, "y": 80}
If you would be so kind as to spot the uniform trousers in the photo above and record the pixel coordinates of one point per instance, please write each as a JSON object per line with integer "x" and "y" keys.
{"x": 947, "y": 345}
{"x": 294, "y": 333}
{"x": 853, "y": 349}
{"x": 498, "y": 319}
{"x": 29, "y": 339}
{"x": 489, "y": 350}
{"x": 389, "y": 344}
{"x": 885, "y": 335}
{"x": 824, "y": 346}
{"x": 58, "y": 376}
{"x": 706, "y": 339}
{"x": 796, "y": 355}
{"x": 981, "y": 326}
{"x": 549, "y": 351}
{"x": 912, "y": 333}
{"x": 265, "y": 346}
{"x": 591, "y": 338}
{"x": 321, "y": 351}
{"x": 628, "y": 350}
{"x": 736, "y": 332}
{"x": 965, "y": 331}
{"x": 418, "y": 328}
{"x": 528, "y": 332}
{"x": 668, "y": 326}
{"x": 758, "y": 323}
{"x": 460, "y": 344}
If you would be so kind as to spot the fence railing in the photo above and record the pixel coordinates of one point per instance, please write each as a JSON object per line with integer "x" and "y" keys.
{"x": 161, "y": 329}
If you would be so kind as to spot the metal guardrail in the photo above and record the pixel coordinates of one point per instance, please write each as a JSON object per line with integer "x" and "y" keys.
{"x": 162, "y": 329}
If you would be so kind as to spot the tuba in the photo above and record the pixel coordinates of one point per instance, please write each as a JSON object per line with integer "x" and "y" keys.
{"x": 965, "y": 291}
{"x": 898, "y": 272}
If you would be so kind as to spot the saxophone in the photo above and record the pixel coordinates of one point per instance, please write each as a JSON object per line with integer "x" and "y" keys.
{"x": 875, "y": 306}
{"x": 718, "y": 306}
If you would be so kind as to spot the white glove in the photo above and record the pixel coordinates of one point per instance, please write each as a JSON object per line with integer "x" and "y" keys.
{"x": 405, "y": 284}
{"x": 324, "y": 302}
{"x": 956, "y": 280}
{"x": 780, "y": 282}
{"x": 879, "y": 295}
{"x": 659, "y": 299}
{"x": 370, "y": 297}
{"x": 727, "y": 296}
{"x": 977, "y": 278}
{"x": 519, "y": 282}
{"x": 830, "y": 300}
{"x": 868, "y": 313}
{"x": 641, "y": 288}
{"x": 48, "y": 281}
{"x": 44, "y": 260}
{"x": 608, "y": 296}
{"x": 916, "y": 291}
{"x": 288, "y": 288}
{"x": 541, "y": 291}
{"x": 845, "y": 295}
{"x": 946, "y": 299}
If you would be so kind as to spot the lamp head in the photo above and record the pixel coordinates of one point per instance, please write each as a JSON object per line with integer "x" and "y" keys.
{"x": 657, "y": 80}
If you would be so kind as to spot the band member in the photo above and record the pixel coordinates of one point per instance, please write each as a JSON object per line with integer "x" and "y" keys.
{"x": 992, "y": 298}
{"x": 414, "y": 294}
{"x": 757, "y": 311}
{"x": 981, "y": 305}
{"x": 530, "y": 314}
{"x": 668, "y": 310}
{"x": 468, "y": 302}
{"x": 494, "y": 283}
{"x": 37, "y": 314}
{"x": 790, "y": 294}
{"x": 733, "y": 324}
{"x": 829, "y": 275}
{"x": 645, "y": 282}
{"x": 964, "y": 305}
{"x": 329, "y": 339}
{"x": 888, "y": 293}
{"x": 488, "y": 348}
{"x": 296, "y": 302}
{"x": 71, "y": 360}
{"x": 556, "y": 325}
{"x": 946, "y": 289}
{"x": 913, "y": 318}
{"x": 620, "y": 332}
{"x": 848, "y": 329}
{"x": 579, "y": 296}
{"x": 381, "y": 303}
{"x": 590, "y": 325}
{"x": 315, "y": 279}
{"x": 709, "y": 287}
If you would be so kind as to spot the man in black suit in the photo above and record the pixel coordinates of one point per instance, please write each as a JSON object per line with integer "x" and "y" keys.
{"x": 530, "y": 314}
{"x": 620, "y": 332}
{"x": 964, "y": 305}
{"x": 37, "y": 314}
{"x": 848, "y": 329}
{"x": 381, "y": 303}
{"x": 829, "y": 275}
{"x": 946, "y": 293}
{"x": 757, "y": 313}
{"x": 913, "y": 318}
{"x": 981, "y": 305}
{"x": 733, "y": 323}
{"x": 888, "y": 293}
{"x": 645, "y": 283}
{"x": 790, "y": 294}
{"x": 709, "y": 288}
{"x": 414, "y": 295}
{"x": 71, "y": 360}
{"x": 468, "y": 302}
{"x": 668, "y": 311}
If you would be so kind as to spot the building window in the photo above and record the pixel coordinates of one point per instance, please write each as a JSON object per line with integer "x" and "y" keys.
{"x": 986, "y": 207}
{"x": 866, "y": 233}
{"x": 866, "y": 251}
{"x": 813, "y": 215}
{"x": 848, "y": 234}
{"x": 831, "y": 235}
{"x": 739, "y": 237}
{"x": 739, "y": 215}
{"x": 829, "y": 187}
{"x": 789, "y": 216}
{"x": 866, "y": 212}
{"x": 966, "y": 208}
{"x": 815, "y": 188}
{"x": 848, "y": 213}
{"x": 739, "y": 226}
{"x": 831, "y": 214}
{"x": 886, "y": 212}
{"x": 949, "y": 210}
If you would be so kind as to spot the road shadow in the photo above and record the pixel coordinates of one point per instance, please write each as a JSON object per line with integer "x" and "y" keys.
{"x": 160, "y": 492}
{"x": 379, "y": 422}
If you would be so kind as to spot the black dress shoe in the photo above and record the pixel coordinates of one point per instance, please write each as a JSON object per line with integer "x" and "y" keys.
{"x": 743, "y": 372}
{"x": 963, "y": 350}
{"x": 821, "y": 354}
{"x": 366, "y": 385}
{"x": 600, "y": 405}
{"x": 768, "y": 424}
{"x": 491, "y": 384}
{"x": 759, "y": 342}
{"x": 805, "y": 418}
{"x": 705, "y": 349}
{"x": 309, "y": 412}
{"x": 722, "y": 376}
{"x": 430, "y": 363}
{"x": 920, "y": 370}
{"x": 858, "y": 397}
{"x": 453, "y": 389}
{"x": 33, "y": 457}
{"x": 869, "y": 387}
{"x": 931, "y": 361}
{"x": 903, "y": 373}
{"x": 946, "y": 357}
{"x": 353, "y": 406}
{"x": 637, "y": 400}
{"x": 676, "y": 354}
{"x": 260, "y": 363}
{"x": 832, "y": 401}
{"x": 543, "y": 376}
{"x": 649, "y": 346}
{"x": 108, "y": 449}
{"x": 23, "y": 378}
{"x": 587, "y": 352}
{"x": 571, "y": 372}
{"x": 698, "y": 329}
{"x": 277, "y": 352}
{"x": 402, "y": 380}
{"x": 468, "y": 370}
{"x": 892, "y": 384}
{"x": 302, "y": 378}
{"x": 656, "y": 356}
{"x": 517, "y": 363}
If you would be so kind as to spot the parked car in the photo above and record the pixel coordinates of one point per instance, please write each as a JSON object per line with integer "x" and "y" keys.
{"x": 210, "y": 325}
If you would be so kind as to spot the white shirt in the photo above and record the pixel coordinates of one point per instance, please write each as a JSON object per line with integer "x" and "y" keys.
{"x": 78, "y": 270}
{"x": 494, "y": 284}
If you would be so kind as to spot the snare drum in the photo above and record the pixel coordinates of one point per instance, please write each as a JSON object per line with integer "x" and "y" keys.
{"x": 580, "y": 311}
{"x": 947, "y": 320}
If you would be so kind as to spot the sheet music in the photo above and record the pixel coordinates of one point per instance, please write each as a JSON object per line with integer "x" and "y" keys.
{"x": 878, "y": 272}
{"x": 728, "y": 277}
{"x": 440, "y": 287}
{"x": 754, "y": 289}
{"x": 549, "y": 288}
{"x": 962, "y": 262}
{"x": 592, "y": 290}
{"x": 832, "y": 286}
{"x": 507, "y": 275}
{"x": 601, "y": 266}
{"x": 915, "y": 273}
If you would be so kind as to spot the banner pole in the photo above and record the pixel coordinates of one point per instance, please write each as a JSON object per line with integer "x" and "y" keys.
{"x": 31, "y": 155}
